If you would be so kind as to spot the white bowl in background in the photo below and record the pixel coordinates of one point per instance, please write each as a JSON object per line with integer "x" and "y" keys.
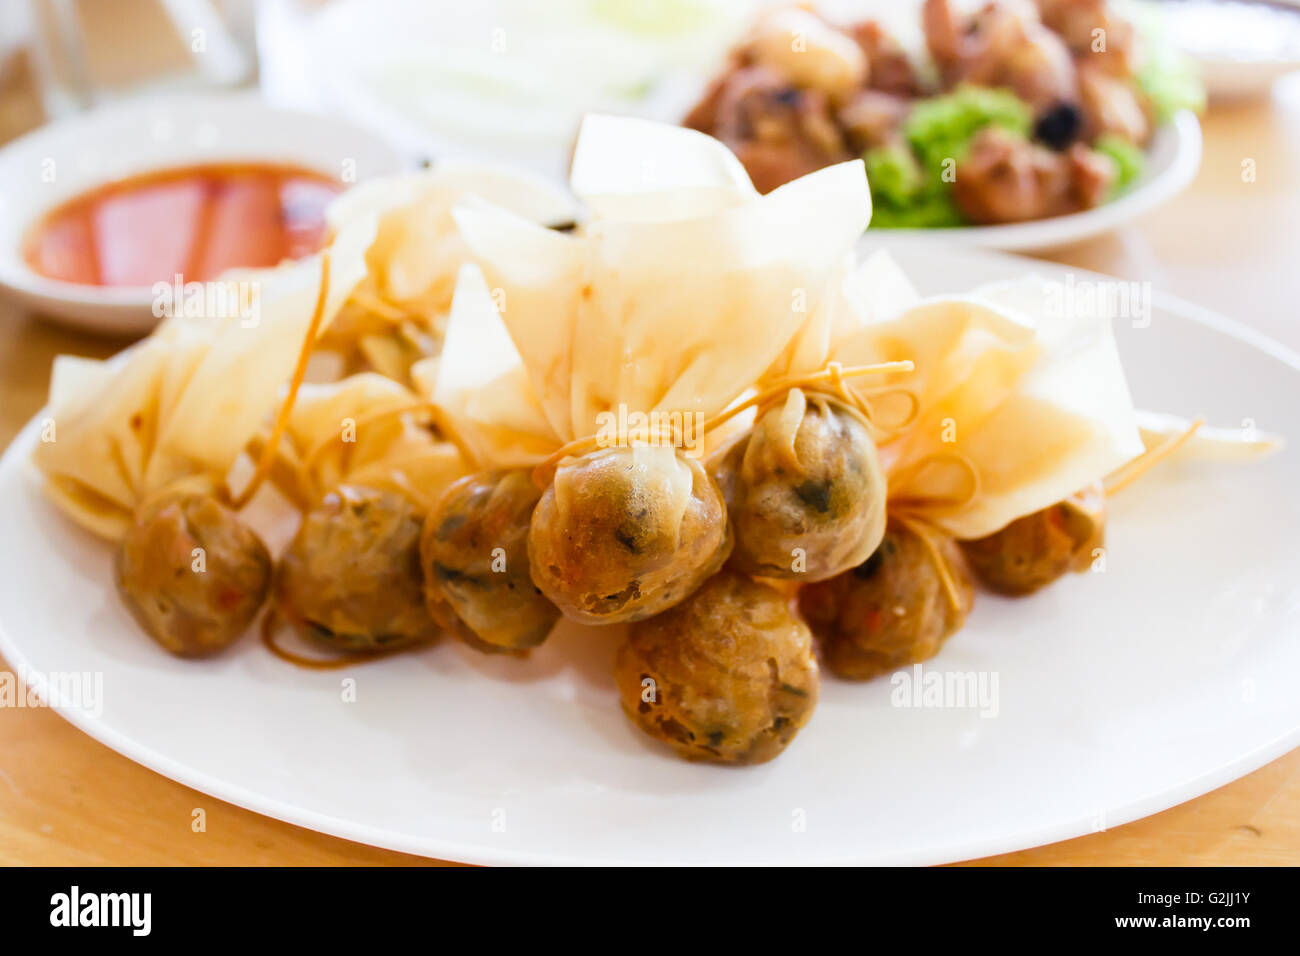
{"x": 1240, "y": 48}
{"x": 58, "y": 162}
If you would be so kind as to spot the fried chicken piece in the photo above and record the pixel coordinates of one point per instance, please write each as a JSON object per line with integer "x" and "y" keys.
{"x": 873, "y": 118}
{"x": 889, "y": 69}
{"x": 1093, "y": 32}
{"x": 1007, "y": 179}
{"x": 779, "y": 132}
{"x": 807, "y": 52}
{"x": 1111, "y": 105}
{"x": 1001, "y": 47}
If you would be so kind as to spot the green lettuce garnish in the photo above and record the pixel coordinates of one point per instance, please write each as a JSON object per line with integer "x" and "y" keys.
{"x": 942, "y": 127}
{"x": 907, "y": 185}
{"x": 1129, "y": 161}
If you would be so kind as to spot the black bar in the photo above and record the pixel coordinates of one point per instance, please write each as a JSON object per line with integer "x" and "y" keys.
{"x": 440, "y": 905}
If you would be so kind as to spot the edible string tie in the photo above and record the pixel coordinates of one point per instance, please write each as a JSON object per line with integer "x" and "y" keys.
{"x": 829, "y": 379}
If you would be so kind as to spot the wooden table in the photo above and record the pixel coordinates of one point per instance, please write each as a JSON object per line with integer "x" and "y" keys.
{"x": 1230, "y": 244}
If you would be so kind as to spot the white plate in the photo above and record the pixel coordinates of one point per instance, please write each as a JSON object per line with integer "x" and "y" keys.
{"x": 57, "y": 162}
{"x": 1173, "y": 158}
{"x": 1120, "y": 693}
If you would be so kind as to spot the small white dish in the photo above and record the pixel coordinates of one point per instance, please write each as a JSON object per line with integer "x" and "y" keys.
{"x": 1173, "y": 159}
{"x": 65, "y": 159}
{"x": 1117, "y": 694}
{"x": 1240, "y": 48}
{"x": 1234, "y": 80}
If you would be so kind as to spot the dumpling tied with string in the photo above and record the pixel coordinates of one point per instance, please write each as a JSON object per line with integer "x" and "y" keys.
{"x": 804, "y": 489}
{"x": 726, "y": 676}
{"x": 1038, "y": 548}
{"x": 804, "y": 486}
{"x": 474, "y": 546}
{"x": 1067, "y": 534}
{"x": 675, "y": 299}
{"x": 1017, "y": 409}
{"x": 138, "y": 449}
{"x": 1020, "y": 404}
{"x": 368, "y": 468}
{"x": 397, "y": 315}
{"x": 368, "y": 430}
{"x": 896, "y": 608}
{"x": 182, "y": 404}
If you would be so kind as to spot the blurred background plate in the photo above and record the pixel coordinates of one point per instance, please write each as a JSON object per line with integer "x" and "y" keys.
{"x": 1173, "y": 159}
{"x": 1117, "y": 694}
{"x": 509, "y": 80}
{"x": 506, "y": 80}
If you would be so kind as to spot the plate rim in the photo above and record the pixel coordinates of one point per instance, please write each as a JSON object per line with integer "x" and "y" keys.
{"x": 482, "y": 853}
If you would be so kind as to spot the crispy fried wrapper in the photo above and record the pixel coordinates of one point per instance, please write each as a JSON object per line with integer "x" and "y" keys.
{"x": 1246, "y": 442}
{"x": 692, "y": 178}
{"x": 481, "y": 387}
{"x": 804, "y": 487}
{"x": 474, "y": 551}
{"x": 661, "y": 307}
{"x": 398, "y": 314}
{"x": 1019, "y": 404}
{"x": 365, "y": 466}
{"x": 861, "y": 292}
{"x": 187, "y": 400}
{"x": 368, "y": 431}
{"x": 703, "y": 302}
{"x": 1038, "y": 548}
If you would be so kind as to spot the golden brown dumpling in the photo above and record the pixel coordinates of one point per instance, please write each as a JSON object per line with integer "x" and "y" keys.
{"x": 192, "y": 574}
{"x": 804, "y": 491}
{"x": 351, "y": 578}
{"x": 1035, "y": 550}
{"x": 474, "y": 552}
{"x": 627, "y": 532}
{"x": 893, "y": 609}
{"x": 727, "y": 676}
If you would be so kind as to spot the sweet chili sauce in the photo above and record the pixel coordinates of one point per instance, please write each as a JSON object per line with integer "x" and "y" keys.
{"x": 196, "y": 221}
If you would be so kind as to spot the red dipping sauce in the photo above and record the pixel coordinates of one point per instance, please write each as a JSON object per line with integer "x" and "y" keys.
{"x": 195, "y": 221}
